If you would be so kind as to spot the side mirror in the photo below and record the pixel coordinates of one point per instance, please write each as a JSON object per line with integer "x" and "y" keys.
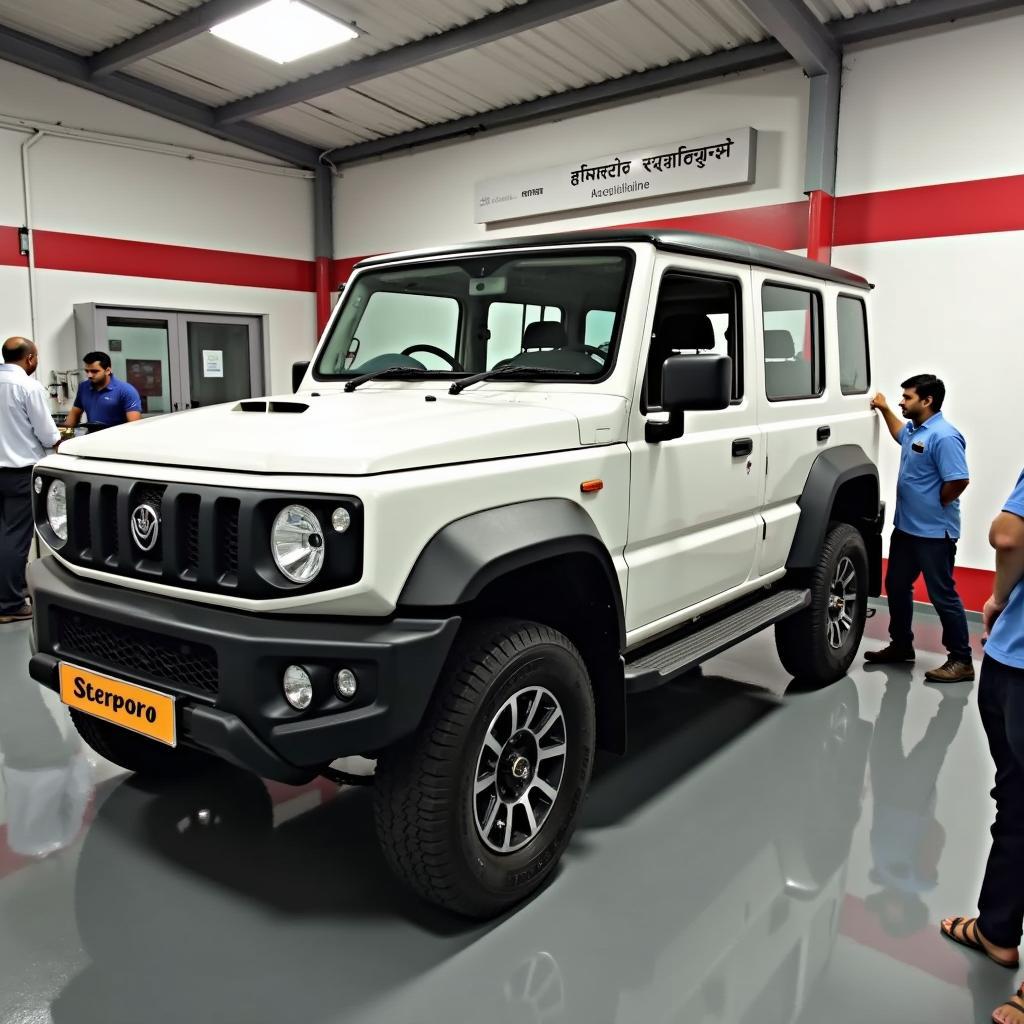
{"x": 298, "y": 372}
{"x": 698, "y": 383}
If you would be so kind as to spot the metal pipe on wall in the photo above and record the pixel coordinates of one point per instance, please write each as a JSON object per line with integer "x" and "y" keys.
{"x": 26, "y": 187}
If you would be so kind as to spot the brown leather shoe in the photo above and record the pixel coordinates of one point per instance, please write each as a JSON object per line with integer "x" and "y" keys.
{"x": 23, "y": 614}
{"x": 891, "y": 655}
{"x": 952, "y": 672}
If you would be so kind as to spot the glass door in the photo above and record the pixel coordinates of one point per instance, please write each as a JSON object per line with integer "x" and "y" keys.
{"x": 221, "y": 358}
{"x": 141, "y": 348}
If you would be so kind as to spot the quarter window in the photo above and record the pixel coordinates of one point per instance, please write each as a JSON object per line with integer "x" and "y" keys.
{"x": 794, "y": 363}
{"x": 854, "y": 365}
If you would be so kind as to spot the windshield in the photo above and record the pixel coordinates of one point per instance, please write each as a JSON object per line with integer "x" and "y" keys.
{"x": 544, "y": 311}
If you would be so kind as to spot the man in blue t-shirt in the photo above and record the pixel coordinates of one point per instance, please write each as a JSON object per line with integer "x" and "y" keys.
{"x": 105, "y": 400}
{"x": 997, "y": 929}
{"x": 933, "y": 475}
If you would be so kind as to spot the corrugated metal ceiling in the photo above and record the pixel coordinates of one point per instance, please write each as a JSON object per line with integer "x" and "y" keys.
{"x": 619, "y": 38}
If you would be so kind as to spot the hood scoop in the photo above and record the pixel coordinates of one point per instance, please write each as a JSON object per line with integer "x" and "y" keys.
{"x": 272, "y": 406}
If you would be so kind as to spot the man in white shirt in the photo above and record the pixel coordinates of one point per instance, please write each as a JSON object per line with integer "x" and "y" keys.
{"x": 26, "y": 431}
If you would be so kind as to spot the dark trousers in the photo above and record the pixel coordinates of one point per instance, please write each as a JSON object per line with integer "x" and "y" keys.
{"x": 15, "y": 535}
{"x": 1001, "y": 703}
{"x": 910, "y": 557}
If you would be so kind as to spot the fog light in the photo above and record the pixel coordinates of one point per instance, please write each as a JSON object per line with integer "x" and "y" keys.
{"x": 298, "y": 687}
{"x": 38, "y": 484}
{"x": 340, "y": 520}
{"x": 345, "y": 683}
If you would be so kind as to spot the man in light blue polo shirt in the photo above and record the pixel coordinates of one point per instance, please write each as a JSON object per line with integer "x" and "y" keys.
{"x": 996, "y": 931}
{"x": 933, "y": 474}
{"x": 105, "y": 400}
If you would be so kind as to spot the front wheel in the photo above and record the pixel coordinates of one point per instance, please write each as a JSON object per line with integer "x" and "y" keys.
{"x": 475, "y": 810}
{"x": 818, "y": 645}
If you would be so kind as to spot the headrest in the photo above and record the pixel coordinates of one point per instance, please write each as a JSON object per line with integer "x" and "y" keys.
{"x": 686, "y": 330}
{"x": 779, "y": 345}
{"x": 545, "y": 334}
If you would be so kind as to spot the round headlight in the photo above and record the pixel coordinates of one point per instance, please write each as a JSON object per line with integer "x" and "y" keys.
{"x": 298, "y": 687}
{"x": 297, "y": 542}
{"x": 57, "y": 509}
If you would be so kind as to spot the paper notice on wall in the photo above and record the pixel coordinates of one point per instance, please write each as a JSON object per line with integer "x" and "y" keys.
{"x": 213, "y": 362}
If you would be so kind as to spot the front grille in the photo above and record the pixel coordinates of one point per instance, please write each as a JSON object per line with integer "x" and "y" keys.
{"x": 138, "y": 652}
{"x": 211, "y": 539}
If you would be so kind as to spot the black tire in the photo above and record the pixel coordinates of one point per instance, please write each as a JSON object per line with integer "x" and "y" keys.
{"x": 137, "y": 753}
{"x": 803, "y": 640}
{"x": 426, "y": 810}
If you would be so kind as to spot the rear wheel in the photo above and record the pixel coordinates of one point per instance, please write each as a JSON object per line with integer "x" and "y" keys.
{"x": 136, "y": 753}
{"x": 475, "y": 810}
{"x": 818, "y": 645}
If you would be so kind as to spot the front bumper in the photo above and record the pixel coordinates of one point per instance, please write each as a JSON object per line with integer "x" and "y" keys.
{"x": 224, "y": 668}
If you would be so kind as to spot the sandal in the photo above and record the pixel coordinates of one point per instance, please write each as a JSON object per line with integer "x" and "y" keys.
{"x": 968, "y": 936}
{"x": 1015, "y": 1003}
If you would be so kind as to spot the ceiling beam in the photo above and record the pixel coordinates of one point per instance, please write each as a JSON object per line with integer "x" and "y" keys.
{"x": 917, "y": 15}
{"x": 165, "y": 35}
{"x": 507, "y": 22}
{"x": 674, "y": 76}
{"x": 792, "y": 23}
{"x": 56, "y": 62}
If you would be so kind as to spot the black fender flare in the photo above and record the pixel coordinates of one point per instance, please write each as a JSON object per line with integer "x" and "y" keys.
{"x": 831, "y": 469}
{"x": 462, "y": 558}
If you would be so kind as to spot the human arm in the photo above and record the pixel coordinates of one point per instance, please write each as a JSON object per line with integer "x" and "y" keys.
{"x": 73, "y": 418}
{"x": 950, "y": 454}
{"x": 1006, "y": 535}
{"x": 39, "y": 416}
{"x": 131, "y": 404}
{"x": 893, "y": 423}
{"x": 951, "y": 490}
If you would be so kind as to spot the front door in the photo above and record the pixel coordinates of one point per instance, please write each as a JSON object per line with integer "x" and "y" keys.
{"x": 695, "y": 501}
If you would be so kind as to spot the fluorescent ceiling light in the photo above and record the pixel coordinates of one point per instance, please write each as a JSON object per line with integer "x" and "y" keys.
{"x": 284, "y": 30}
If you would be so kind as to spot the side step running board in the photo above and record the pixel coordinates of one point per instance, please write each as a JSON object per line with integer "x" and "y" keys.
{"x": 655, "y": 667}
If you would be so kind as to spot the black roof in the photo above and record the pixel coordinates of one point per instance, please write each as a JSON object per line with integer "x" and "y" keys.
{"x": 692, "y": 243}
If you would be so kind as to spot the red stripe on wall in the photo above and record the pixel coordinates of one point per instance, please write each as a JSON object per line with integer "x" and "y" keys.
{"x": 932, "y": 211}
{"x": 89, "y": 254}
{"x": 973, "y": 585}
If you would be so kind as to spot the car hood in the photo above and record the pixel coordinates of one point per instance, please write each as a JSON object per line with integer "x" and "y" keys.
{"x": 373, "y": 430}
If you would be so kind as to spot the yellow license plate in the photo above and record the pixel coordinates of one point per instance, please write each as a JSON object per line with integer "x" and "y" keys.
{"x": 126, "y": 704}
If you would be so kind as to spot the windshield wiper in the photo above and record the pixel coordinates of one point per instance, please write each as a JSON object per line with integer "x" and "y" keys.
{"x": 388, "y": 371}
{"x": 526, "y": 371}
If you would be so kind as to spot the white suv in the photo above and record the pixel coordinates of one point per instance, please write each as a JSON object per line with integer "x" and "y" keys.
{"x": 520, "y": 480}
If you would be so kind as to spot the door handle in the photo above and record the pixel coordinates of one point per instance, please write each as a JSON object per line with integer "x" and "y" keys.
{"x": 824, "y": 433}
{"x": 742, "y": 447}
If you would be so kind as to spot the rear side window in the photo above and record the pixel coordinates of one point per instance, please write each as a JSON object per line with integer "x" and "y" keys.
{"x": 794, "y": 358}
{"x": 854, "y": 364}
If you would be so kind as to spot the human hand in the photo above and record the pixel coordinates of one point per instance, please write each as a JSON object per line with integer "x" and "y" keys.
{"x": 992, "y": 610}
{"x": 878, "y": 402}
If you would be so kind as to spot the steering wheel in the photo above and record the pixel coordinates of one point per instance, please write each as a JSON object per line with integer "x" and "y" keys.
{"x": 435, "y": 351}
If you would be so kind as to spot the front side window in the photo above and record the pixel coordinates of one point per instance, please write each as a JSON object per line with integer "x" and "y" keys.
{"x": 471, "y": 314}
{"x": 695, "y": 314}
{"x": 794, "y": 364}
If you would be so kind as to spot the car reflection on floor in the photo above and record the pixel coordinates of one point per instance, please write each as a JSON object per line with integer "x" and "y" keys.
{"x": 722, "y": 894}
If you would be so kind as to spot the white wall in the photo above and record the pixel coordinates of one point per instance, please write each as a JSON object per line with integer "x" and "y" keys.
{"x": 426, "y": 198}
{"x": 88, "y": 188}
{"x": 943, "y": 107}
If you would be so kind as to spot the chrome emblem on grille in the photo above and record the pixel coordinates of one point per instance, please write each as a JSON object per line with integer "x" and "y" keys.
{"x": 145, "y": 527}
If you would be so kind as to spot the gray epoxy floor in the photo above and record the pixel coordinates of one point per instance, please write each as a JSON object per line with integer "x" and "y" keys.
{"x": 758, "y": 856}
